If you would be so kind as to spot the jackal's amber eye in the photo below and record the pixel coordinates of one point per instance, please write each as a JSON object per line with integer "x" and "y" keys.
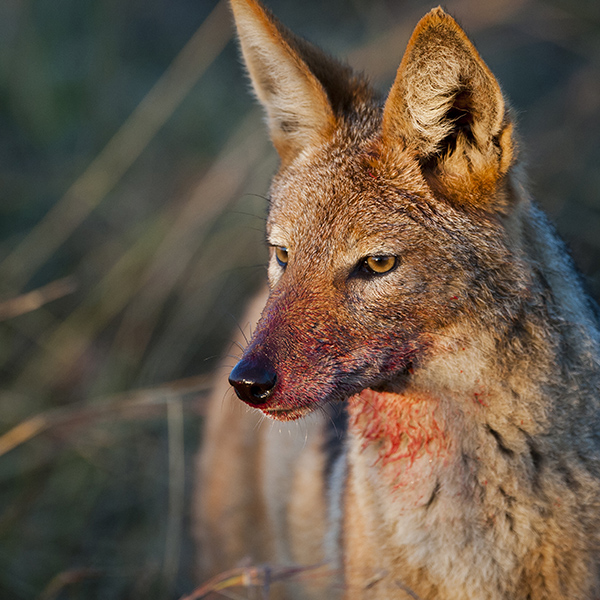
{"x": 281, "y": 254}
{"x": 380, "y": 264}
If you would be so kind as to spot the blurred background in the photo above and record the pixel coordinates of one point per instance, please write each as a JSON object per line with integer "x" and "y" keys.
{"x": 133, "y": 170}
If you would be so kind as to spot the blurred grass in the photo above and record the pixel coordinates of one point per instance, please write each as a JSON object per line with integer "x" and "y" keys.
{"x": 133, "y": 169}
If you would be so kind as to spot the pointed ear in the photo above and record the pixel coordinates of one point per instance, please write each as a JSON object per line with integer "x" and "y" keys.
{"x": 297, "y": 84}
{"x": 446, "y": 105}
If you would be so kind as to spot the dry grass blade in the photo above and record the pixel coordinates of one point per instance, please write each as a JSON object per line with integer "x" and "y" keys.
{"x": 176, "y": 491}
{"x": 122, "y": 150}
{"x": 66, "y": 578}
{"x": 119, "y": 404}
{"x": 37, "y": 298}
{"x": 260, "y": 576}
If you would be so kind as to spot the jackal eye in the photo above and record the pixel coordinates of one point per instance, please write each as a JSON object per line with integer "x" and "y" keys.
{"x": 380, "y": 264}
{"x": 281, "y": 254}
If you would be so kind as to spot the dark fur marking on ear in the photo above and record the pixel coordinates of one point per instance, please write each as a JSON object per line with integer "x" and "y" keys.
{"x": 460, "y": 115}
{"x": 269, "y": 85}
{"x": 288, "y": 126}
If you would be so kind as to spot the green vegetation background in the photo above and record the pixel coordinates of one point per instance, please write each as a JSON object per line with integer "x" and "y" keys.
{"x": 133, "y": 166}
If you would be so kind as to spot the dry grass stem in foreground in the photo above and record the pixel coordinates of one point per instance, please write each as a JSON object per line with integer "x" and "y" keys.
{"x": 258, "y": 577}
{"x": 35, "y": 299}
{"x": 119, "y": 404}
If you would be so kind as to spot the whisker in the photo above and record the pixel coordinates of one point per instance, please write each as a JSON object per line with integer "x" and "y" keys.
{"x": 237, "y": 324}
{"x": 265, "y": 198}
{"x": 248, "y": 214}
{"x": 236, "y": 343}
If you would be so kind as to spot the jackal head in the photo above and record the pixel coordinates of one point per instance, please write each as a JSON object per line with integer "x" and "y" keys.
{"x": 387, "y": 218}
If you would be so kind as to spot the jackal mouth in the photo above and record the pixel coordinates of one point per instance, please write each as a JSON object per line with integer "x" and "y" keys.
{"x": 292, "y": 413}
{"x": 290, "y": 407}
{"x": 280, "y": 413}
{"x": 288, "y": 414}
{"x": 297, "y": 412}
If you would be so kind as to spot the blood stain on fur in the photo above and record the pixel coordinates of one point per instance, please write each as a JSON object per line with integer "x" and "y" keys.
{"x": 401, "y": 428}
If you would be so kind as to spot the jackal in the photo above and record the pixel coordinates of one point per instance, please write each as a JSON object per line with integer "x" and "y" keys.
{"x": 421, "y": 303}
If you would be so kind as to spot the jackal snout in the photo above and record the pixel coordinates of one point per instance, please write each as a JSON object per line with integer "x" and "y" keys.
{"x": 302, "y": 355}
{"x": 254, "y": 380}
{"x": 291, "y": 363}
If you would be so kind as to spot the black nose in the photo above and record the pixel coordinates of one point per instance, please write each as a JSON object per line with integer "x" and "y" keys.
{"x": 253, "y": 381}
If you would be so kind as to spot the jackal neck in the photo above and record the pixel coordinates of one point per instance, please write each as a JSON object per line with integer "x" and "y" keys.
{"x": 405, "y": 434}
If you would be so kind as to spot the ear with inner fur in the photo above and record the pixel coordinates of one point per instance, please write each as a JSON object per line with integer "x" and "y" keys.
{"x": 446, "y": 105}
{"x": 302, "y": 89}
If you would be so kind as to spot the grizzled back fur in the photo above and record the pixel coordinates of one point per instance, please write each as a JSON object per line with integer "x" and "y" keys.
{"x": 418, "y": 293}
